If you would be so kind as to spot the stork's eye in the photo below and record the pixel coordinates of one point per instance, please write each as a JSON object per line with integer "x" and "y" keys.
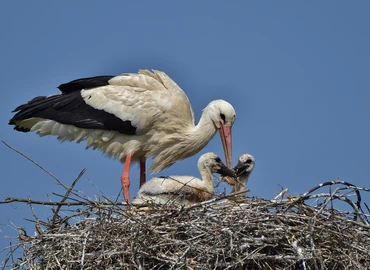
{"x": 217, "y": 159}
{"x": 222, "y": 117}
{"x": 249, "y": 161}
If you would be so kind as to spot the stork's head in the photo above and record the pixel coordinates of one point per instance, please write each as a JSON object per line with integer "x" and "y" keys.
{"x": 223, "y": 116}
{"x": 212, "y": 162}
{"x": 243, "y": 170}
{"x": 245, "y": 166}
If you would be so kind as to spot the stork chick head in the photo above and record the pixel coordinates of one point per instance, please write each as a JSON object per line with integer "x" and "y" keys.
{"x": 213, "y": 163}
{"x": 245, "y": 165}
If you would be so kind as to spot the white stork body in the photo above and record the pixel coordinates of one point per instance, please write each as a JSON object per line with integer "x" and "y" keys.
{"x": 184, "y": 190}
{"x": 129, "y": 117}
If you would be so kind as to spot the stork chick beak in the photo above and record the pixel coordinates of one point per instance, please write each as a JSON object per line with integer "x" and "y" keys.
{"x": 241, "y": 168}
{"x": 225, "y": 171}
{"x": 225, "y": 133}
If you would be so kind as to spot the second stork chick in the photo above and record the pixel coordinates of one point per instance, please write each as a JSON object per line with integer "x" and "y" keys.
{"x": 184, "y": 190}
{"x": 243, "y": 170}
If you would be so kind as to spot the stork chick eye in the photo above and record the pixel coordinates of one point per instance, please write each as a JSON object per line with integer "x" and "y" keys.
{"x": 249, "y": 161}
{"x": 217, "y": 159}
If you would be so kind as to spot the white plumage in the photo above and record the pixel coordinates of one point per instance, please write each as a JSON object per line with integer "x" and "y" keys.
{"x": 243, "y": 170}
{"x": 184, "y": 190}
{"x": 130, "y": 117}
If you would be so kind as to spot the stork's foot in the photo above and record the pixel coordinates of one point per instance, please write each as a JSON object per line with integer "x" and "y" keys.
{"x": 125, "y": 186}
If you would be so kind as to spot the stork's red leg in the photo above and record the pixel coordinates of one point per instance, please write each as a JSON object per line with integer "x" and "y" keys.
{"x": 125, "y": 178}
{"x": 142, "y": 172}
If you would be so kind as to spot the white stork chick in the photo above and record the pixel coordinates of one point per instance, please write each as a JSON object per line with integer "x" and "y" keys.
{"x": 184, "y": 190}
{"x": 243, "y": 170}
{"x": 130, "y": 117}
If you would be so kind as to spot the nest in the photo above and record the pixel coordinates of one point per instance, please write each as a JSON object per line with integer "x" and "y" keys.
{"x": 227, "y": 232}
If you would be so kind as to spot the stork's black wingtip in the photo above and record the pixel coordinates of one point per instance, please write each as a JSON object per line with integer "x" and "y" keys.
{"x": 17, "y": 128}
{"x": 11, "y": 121}
{"x": 63, "y": 87}
{"x": 21, "y": 129}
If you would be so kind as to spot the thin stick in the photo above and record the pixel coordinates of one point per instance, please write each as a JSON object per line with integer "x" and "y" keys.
{"x": 91, "y": 203}
{"x": 66, "y": 196}
{"x": 219, "y": 198}
{"x": 34, "y": 162}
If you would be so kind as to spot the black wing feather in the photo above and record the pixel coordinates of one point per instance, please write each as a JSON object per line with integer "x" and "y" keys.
{"x": 84, "y": 83}
{"x": 70, "y": 108}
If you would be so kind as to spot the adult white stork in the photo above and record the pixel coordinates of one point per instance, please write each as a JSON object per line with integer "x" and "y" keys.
{"x": 184, "y": 190}
{"x": 130, "y": 117}
{"x": 243, "y": 170}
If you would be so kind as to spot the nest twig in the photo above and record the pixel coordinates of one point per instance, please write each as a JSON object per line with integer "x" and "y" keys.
{"x": 253, "y": 234}
{"x": 307, "y": 231}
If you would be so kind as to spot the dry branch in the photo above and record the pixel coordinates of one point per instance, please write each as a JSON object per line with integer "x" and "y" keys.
{"x": 227, "y": 232}
{"x": 219, "y": 234}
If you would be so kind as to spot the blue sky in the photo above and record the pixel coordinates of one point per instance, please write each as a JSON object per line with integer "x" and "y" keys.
{"x": 297, "y": 73}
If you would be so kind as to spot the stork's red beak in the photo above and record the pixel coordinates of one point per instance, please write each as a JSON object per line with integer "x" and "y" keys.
{"x": 225, "y": 132}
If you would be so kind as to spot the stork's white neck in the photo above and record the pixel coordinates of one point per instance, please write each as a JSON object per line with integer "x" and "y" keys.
{"x": 207, "y": 177}
{"x": 186, "y": 144}
{"x": 202, "y": 133}
{"x": 244, "y": 180}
